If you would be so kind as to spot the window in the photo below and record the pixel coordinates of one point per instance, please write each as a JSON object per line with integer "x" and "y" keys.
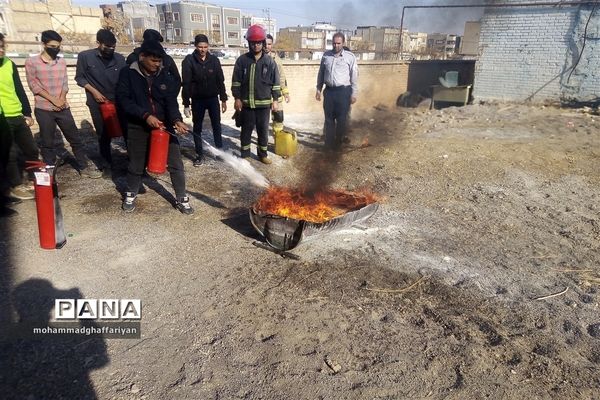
{"x": 178, "y": 32}
{"x": 215, "y": 21}
{"x": 232, "y": 20}
{"x": 175, "y": 16}
{"x": 161, "y": 17}
{"x": 195, "y": 17}
{"x": 233, "y": 35}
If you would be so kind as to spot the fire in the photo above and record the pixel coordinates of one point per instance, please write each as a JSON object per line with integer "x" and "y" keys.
{"x": 312, "y": 207}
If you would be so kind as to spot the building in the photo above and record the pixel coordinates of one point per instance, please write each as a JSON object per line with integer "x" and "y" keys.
{"x": 303, "y": 37}
{"x": 141, "y": 15}
{"x": 469, "y": 45}
{"x": 442, "y": 45}
{"x": 539, "y": 53}
{"x": 318, "y": 36}
{"x": 385, "y": 40}
{"x": 24, "y": 20}
{"x": 180, "y": 22}
{"x": 268, "y": 23}
{"x": 417, "y": 42}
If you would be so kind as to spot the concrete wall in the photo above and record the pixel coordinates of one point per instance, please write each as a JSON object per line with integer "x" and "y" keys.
{"x": 527, "y": 54}
{"x": 380, "y": 83}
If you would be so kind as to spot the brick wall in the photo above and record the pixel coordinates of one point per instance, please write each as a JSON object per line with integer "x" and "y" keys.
{"x": 379, "y": 83}
{"x": 526, "y": 53}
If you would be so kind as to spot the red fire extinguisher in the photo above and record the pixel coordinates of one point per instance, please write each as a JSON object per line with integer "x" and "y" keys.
{"x": 159, "y": 150}
{"x": 111, "y": 120}
{"x": 49, "y": 214}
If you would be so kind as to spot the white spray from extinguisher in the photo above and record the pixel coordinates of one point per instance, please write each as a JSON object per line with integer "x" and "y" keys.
{"x": 240, "y": 165}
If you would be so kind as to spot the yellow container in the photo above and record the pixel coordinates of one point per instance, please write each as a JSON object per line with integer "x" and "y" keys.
{"x": 286, "y": 143}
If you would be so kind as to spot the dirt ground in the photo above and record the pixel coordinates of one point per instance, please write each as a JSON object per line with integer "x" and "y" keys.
{"x": 486, "y": 210}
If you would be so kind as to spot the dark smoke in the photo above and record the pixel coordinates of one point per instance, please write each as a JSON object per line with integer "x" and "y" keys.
{"x": 350, "y": 14}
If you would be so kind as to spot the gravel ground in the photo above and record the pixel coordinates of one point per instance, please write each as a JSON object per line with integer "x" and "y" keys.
{"x": 486, "y": 211}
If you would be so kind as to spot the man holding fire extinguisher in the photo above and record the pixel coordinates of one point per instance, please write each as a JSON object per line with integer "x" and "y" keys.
{"x": 98, "y": 72}
{"x": 147, "y": 97}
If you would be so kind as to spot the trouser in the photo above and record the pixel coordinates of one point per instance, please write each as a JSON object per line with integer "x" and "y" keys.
{"x": 259, "y": 118}
{"x": 47, "y": 120}
{"x": 103, "y": 138}
{"x": 138, "y": 144}
{"x": 199, "y": 107}
{"x": 22, "y": 142}
{"x": 5, "y": 144}
{"x": 277, "y": 116}
{"x": 336, "y": 104}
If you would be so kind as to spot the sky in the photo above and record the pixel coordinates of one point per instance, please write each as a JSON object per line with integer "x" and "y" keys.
{"x": 349, "y": 14}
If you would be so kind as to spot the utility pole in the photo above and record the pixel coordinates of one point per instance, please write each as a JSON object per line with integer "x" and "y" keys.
{"x": 268, "y": 12}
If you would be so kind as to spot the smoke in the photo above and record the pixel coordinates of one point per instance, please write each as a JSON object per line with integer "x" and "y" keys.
{"x": 351, "y": 14}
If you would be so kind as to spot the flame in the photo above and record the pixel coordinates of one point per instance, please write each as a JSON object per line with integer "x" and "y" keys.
{"x": 312, "y": 207}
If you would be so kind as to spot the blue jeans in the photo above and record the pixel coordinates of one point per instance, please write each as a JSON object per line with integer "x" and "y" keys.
{"x": 336, "y": 104}
{"x": 199, "y": 107}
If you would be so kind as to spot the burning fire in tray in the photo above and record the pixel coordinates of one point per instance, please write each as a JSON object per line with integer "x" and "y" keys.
{"x": 316, "y": 207}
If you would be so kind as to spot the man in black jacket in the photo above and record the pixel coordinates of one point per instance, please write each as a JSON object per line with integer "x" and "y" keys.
{"x": 204, "y": 83}
{"x": 147, "y": 96}
{"x": 168, "y": 62}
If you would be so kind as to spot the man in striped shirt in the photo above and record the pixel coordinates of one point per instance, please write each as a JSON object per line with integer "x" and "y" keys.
{"x": 47, "y": 79}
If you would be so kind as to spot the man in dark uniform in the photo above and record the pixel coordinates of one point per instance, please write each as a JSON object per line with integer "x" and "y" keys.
{"x": 204, "y": 83}
{"x": 255, "y": 86}
{"x": 148, "y": 97}
{"x": 98, "y": 72}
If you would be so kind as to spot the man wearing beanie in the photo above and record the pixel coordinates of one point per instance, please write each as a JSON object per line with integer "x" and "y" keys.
{"x": 147, "y": 96}
{"x": 204, "y": 83}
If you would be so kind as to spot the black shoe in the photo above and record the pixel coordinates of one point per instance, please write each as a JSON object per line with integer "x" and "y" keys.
{"x": 198, "y": 161}
{"x": 128, "y": 202}
{"x": 184, "y": 206}
{"x": 245, "y": 154}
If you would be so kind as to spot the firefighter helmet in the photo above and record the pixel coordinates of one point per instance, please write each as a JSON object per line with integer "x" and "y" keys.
{"x": 256, "y": 33}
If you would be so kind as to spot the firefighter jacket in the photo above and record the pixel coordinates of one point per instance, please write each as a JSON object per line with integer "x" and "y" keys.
{"x": 254, "y": 82}
{"x": 282, "y": 78}
{"x": 139, "y": 96}
{"x": 202, "y": 79}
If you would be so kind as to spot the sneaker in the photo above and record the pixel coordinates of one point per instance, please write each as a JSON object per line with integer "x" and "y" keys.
{"x": 91, "y": 172}
{"x": 184, "y": 207}
{"x": 266, "y": 160}
{"x": 198, "y": 161}
{"x": 21, "y": 192}
{"x": 128, "y": 202}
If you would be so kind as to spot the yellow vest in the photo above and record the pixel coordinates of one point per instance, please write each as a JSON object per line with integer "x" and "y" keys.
{"x": 10, "y": 104}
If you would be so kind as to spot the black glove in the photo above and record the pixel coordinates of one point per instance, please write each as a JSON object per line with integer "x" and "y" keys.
{"x": 237, "y": 115}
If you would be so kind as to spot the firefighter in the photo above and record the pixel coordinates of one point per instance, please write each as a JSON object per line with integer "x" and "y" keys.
{"x": 278, "y": 116}
{"x": 255, "y": 87}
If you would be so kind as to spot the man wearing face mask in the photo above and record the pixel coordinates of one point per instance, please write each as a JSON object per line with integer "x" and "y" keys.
{"x": 47, "y": 79}
{"x": 98, "y": 72}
